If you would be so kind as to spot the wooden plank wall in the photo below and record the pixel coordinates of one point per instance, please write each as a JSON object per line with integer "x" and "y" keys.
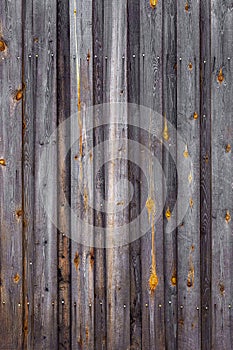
{"x": 168, "y": 289}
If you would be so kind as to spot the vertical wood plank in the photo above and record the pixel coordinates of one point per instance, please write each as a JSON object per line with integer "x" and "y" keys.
{"x": 188, "y": 100}
{"x": 152, "y": 242}
{"x": 222, "y": 166}
{"x": 11, "y": 215}
{"x": 205, "y": 167}
{"x": 81, "y": 181}
{"x": 99, "y": 180}
{"x": 117, "y": 258}
{"x": 40, "y": 119}
{"x": 134, "y": 175}
{"x": 169, "y": 168}
{"x": 64, "y": 173}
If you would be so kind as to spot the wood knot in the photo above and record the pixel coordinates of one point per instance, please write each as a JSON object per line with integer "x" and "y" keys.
{"x": 168, "y": 214}
{"x": 2, "y": 45}
{"x": 228, "y": 148}
{"x": 173, "y": 280}
{"x": 186, "y": 7}
{"x": 19, "y": 95}
{"x": 190, "y": 66}
{"x": 220, "y": 76}
{"x": 2, "y": 162}
{"x": 228, "y": 217}
{"x": 195, "y": 115}
{"x": 153, "y": 3}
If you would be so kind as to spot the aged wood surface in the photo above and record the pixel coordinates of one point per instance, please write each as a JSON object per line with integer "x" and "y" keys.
{"x": 188, "y": 239}
{"x": 63, "y": 286}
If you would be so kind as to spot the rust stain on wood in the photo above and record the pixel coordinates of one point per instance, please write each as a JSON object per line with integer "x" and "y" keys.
{"x": 76, "y": 261}
{"x": 3, "y": 45}
{"x": 85, "y": 199}
{"x": 220, "y": 76}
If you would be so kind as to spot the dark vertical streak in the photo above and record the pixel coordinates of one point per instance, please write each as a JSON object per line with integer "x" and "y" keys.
{"x": 205, "y": 159}
{"x": 170, "y": 111}
{"x": 63, "y": 110}
{"x": 133, "y": 86}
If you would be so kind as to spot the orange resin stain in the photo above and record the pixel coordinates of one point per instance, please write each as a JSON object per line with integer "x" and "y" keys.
{"x": 2, "y": 162}
{"x": 153, "y": 3}
{"x": 228, "y": 217}
{"x": 165, "y": 131}
{"x": 168, "y": 214}
{"x": 195, "y": 115}
{"x": 186, "y": 153}
{"x": 16, "y": 278}
{"x": 153, "y": 280}
{"x": 2, "y": 45}
{"x": 220, "y": 76}
{"x": 174, "y": 278}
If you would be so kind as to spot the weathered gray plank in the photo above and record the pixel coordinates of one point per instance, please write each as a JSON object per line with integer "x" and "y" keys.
{"x": 222, "y": 167}
{"x": 11, "y": 215}
{"x": 117, "y": 258}
{"x": 81, "y": 181}
{"x": 188, "y": 99}
{"x": 152, "y": 242}
{"x": 40, "y": 256}
{"x": 99, "y": 183}
{"x": 169, "y": 168}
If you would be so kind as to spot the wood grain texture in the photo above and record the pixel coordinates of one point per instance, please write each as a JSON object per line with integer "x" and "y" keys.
{"x": 117, "y": 258}
{"x": 205, "y": 168}
{"x": 153, "y": 328}
{"x": 221, "y": 136}
{"x": 81, "y": 180}
{"x": 63, "y": 176}
{"x": 39, "y": 234}
{"x": 11, "y": 217}
{"x": 166, "y": 290}
{"x": 169, "y": 168}
{"x": 188, "y": 240}
{"x": 133, "y": 87}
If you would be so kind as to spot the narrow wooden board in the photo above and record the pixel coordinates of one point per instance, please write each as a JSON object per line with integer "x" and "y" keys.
{"x": 188, "y": 240}
{"x": 63, "y": 176}
{"x": 153, "y": 329}
{"x": 40, "y": 120}
{"x": 169, "y": 168}
{"x": 11, "y": 215}
{"x": 82, "y": 256}
{"x": 222, "y": 167}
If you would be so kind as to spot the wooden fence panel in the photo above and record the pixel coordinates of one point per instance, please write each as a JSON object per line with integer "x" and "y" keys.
{"x": 169, "y": 289}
